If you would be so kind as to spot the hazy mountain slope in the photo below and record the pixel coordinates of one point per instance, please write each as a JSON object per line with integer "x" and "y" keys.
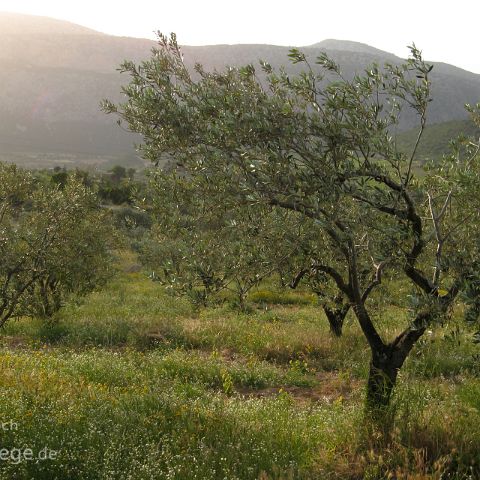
{"x": 349, "y": 46}
{"x": 16, "y": 23}
{"x": 54, "y": 74}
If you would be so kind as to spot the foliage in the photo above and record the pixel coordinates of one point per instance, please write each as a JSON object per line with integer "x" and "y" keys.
{"x": 54, "y": 243}
{"x": 201, "y": 247}
{"x": 118, "y": 186}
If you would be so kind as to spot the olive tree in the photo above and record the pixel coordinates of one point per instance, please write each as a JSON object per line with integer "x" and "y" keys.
{"x": 333, "y": 302}
{"x": 201, "y": 245}
{"x": 321, "y": 145}
{"x": 53, "y": 244}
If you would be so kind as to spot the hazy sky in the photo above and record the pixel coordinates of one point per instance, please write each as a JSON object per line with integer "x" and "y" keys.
{"x": 445, "y": 30}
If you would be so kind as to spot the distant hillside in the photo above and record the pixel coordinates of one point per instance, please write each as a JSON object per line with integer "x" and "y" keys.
{"x": 436, "y": 139}
{"x": 349, "y": 46}
{"x": 54, "y": 74}
{"x": 18, "y": 24}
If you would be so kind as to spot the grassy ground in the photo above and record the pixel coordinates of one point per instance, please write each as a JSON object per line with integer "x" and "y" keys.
{"x": 134, "y": 384}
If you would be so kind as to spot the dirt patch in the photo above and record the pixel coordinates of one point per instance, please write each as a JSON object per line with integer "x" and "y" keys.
{"x": 133, "y": 268}
{"x": 15, "y": 342}
{"x": 331, "y": 387}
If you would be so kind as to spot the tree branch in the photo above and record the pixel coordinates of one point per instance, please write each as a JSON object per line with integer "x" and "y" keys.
{"x": 376, "y": 281}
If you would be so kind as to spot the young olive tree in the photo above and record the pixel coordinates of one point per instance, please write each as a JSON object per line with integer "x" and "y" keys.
{"x": 53, "y": 244}
{"x": 301, "y": 270}
{"x": 321, "y": 145}
{"x": 333, "y": 302}
{"x": 201, "y": 245}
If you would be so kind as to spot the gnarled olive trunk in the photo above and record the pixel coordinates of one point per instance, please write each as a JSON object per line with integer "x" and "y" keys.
{"x": 385, "y": 364}
{"x": 382, "y": 378}
{"x": 386, "y": 361}
{"x": 336, "y": 318}
{"x": 335, "y": 313}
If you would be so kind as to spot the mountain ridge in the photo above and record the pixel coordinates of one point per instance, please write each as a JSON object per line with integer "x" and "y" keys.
{"x": 52, "y": 83}
{"x": 15, "y": 23}
{"x": 349, "y": 45}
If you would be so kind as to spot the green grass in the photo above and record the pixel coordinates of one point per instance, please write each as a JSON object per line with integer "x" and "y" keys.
{"x": 133, "y": 383}
{"x": 268, "y": 297}
{"x": 112, "y": 414}
{"x": 436, "y": 138}
{"x": 122, "y": 314}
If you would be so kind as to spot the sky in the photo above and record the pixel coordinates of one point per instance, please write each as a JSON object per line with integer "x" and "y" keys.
{"x": 445, "y": 31}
